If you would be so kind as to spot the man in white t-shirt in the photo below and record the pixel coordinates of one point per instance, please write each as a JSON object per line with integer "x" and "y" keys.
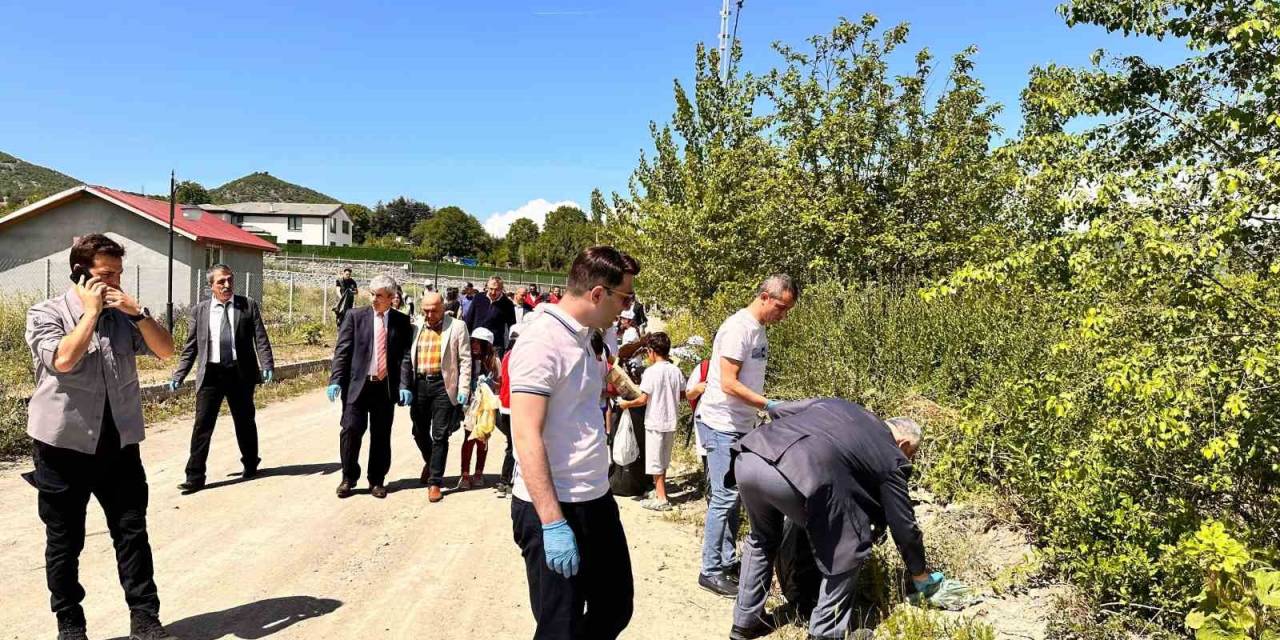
{"x": 726, "y": 411}
{"x": 564, "y": 518}
{"x": 661, "y": 390}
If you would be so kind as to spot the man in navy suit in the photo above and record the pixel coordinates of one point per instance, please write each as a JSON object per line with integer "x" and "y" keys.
{"x": 372, "y": 372}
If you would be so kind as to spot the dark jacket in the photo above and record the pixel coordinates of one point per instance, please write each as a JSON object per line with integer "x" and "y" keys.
{"x": 350, "y": 368}
{"x": 253, "y": 348}
{"x": 853, "y": 476}
{"x": 495, "y": 316}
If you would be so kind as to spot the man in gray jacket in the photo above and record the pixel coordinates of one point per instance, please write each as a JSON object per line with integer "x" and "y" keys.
{"x": 840, "y": 472}
{"x": 85, "y": 418}
{"x": 441, "y": 385}
{"x": 228, "y": 342}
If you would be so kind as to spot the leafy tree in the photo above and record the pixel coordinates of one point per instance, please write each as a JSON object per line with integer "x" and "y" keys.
{"x": 565, "y": 232}
{"x": 398, "y": 217}
{"x": 599, "y": 208}
{"x": 450, "y": 232}
{"x": 361, "y": 218}
{"x": 521, "y": 242}
{"x": 191, "y": 192}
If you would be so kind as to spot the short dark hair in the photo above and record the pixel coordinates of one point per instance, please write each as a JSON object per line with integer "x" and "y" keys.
{"x": 600, "y": 266}
{"x": 347, "y": 270}
{"x": 659, "y": 343}
{"x": 93, "y": 244}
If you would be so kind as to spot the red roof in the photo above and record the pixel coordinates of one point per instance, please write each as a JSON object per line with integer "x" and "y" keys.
{"x": 209, "y": 228}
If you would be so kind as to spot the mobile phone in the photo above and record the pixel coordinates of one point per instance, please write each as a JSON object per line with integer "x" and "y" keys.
{"x": 78, "y": 272}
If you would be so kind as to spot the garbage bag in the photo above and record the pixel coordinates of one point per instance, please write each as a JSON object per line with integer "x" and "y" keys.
{"x": 952, "y": 595}
{"x": 625, "y": 447}
{"x": 482, "y": 414}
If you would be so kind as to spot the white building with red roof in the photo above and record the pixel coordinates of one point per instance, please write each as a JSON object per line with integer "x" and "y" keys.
{"x": 35, "y": 243}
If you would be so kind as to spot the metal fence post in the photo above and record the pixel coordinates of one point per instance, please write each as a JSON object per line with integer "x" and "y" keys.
{"x": 47, "y": 266}
{"x": 324, "y": 304}
{"x": 248, "y": 286}
{"x": 137, "y": 283}
{"x": 290, "y": 297}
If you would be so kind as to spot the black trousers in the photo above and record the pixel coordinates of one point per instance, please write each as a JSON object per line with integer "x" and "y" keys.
{"x": 434, "y": 419}
{"x": 595, "y": 604}
{"x": 508, "y": 460}
{"x": 372, "y": 410}
{"x": 223, "y": 381}
{"x": 114, "y": 475}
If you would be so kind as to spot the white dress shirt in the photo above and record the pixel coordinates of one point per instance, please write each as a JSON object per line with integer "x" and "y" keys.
{"x": 379, "y": 319}
{"x": 215, "y": 329}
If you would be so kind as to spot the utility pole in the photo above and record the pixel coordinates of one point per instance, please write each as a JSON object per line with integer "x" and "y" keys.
{"x": 727, "y": 40}
{"x": 173, "y": 192}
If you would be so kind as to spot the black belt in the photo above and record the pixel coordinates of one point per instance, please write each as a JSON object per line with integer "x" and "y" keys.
{"x": 377, "y": 379}
{"x": 432, "y": 377}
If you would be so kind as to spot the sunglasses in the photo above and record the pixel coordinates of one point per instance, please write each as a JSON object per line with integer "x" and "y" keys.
{"x": 627, "y": 298}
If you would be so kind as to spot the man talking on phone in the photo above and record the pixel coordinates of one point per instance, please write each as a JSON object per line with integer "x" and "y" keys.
{"x": 85, "y": 418}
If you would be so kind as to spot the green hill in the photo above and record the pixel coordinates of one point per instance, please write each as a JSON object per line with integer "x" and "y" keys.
{"x": 261, "y": 186}
{"x": 22, "y": 182}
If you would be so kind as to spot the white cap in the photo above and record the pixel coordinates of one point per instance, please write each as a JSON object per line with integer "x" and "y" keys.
{"x": 482, "y": 334}
{"x": 628, "y": 315}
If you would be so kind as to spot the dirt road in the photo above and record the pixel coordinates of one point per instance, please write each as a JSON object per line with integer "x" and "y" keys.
{"x": 279, "y": 556}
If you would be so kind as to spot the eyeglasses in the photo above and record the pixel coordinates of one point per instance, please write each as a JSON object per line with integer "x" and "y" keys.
{"x": 627, "y": 299}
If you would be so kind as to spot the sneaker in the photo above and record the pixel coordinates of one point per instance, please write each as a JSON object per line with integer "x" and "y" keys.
{"x": 464, "y": 483}
{"x": 502, "y": 489}
{"x": 656, "y": 505}
{"x": 71, "y": 625}
{"x": 648, "y": 495}
{"x": 477, "y": 481}
{"x": 718, "y": 585}
{"x": 144, "y": 626}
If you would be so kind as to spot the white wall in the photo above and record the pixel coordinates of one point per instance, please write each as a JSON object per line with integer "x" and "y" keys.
{"x": 315, "y": 230}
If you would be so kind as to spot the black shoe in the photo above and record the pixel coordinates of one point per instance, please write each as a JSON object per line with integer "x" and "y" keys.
{"x": 249, "y": 472}
{"x": 71, "y": 625}
{"x": 718, "y": 585}
{"x": 344, "y": 489}
{"x": 749, "y": 633}
{"x": 191, "y": 486}
{"x": 378, "y": 491}
{"x": 144, "y": 626}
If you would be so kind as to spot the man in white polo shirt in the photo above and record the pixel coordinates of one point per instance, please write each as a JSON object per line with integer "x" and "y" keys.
{"x": 564, "y": 517}
{"x": 727, "y": 411}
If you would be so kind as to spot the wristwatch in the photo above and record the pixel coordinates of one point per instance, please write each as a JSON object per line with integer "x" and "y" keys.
{"x": 146, "y": 313}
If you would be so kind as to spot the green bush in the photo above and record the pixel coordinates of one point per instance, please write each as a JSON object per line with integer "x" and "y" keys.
{"x": 377, "y": 254}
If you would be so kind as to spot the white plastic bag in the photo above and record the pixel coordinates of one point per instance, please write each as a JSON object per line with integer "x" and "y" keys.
{"x": 625, "y": 448}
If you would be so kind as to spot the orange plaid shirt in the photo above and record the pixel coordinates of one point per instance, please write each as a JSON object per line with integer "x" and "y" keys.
{"x": 430, "y": 350}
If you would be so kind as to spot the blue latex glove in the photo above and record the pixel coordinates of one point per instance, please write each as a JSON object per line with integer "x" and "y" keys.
{"x": 332, "y": 391}
{"x": 463, "y": 396}
{"x": 172, "y": 385}
{"x": 770, "y": 405}
{"x": 561, "y": 548}
{"x": 268, "y": 375}
{"x": 929, "y": 586}
{"x": 406, "y": 397}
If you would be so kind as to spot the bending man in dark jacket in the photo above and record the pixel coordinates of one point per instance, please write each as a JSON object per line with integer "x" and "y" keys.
{"x": 841, "y": 472}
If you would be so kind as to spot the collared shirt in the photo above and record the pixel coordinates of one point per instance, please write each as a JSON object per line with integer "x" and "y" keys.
{"x": 379, "y": 324}
{"x": 66, "y": 409}
{"x": 430, "y": 349}
{"x": 741, "y": 337}
{"x": 553, "y": 358}
{"x": 215, "y": 329}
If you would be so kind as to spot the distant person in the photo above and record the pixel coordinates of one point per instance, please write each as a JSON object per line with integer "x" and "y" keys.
{"x": 661, "y": 391}
{"x": 347, "y": 290}
{"x": 441, "y": 363}
{"x": 638, "y": 316}
{"x": 727, "y": 411}
{"x": 452, "y": 306}
{"x": 492, "y": 311}
{"x": 840, "y": 472}
{"x": 554, "y": 298}
{"x": 372, "y": 372}
{"x": 485, "y": 369}
{"x": 627, "y": 324}
{"x": 227, "y": 343}
{"x": 504, "y": 415}
{"x": 564, "y": 518}
{"x": 468, "y": 296}
{"x": 400, "y": 302}
{"x": 85, "y": 420}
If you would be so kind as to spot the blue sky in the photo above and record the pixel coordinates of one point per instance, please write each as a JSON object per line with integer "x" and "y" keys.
{"x": 490, "y": 106}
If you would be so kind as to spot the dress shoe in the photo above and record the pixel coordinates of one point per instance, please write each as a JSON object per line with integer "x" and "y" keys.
{"x": 433, "y": 493}
{"x": 378, "y": 491}
{"x": 249, "y": 472}
{"x": 718, "y": 585}
{"x": 344, "y": 489}
{"x": 191, "y": 486}
{"x": 144, "y": 626}
{"x": 749, "y": 633}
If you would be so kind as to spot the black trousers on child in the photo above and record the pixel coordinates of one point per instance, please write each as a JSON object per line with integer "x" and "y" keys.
{"x": 114, "y": 475}
{"x": 595, "y": 604}
{"x": 509, "y": 458}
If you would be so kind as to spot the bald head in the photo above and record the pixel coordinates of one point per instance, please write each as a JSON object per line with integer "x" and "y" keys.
{"x": 432, "y": 307}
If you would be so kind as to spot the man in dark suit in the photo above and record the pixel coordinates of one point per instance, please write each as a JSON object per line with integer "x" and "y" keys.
{"x": 372, "y": 372}
{"x": 494, "y": 312}
{"x": 836, "y": 469}
{"x": 228, "y": 343}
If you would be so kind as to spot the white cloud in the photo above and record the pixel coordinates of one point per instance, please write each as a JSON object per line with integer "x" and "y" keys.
{"x": 536, "y": 210}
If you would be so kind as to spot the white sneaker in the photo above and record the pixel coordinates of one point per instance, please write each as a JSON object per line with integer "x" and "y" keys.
{"x": 657, "y": 505}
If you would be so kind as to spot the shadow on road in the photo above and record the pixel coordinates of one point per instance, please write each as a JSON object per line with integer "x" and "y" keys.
{"x": 323, "y": 468}
{"x": 450, "y": 484}
{"x": 254, "y": 620}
